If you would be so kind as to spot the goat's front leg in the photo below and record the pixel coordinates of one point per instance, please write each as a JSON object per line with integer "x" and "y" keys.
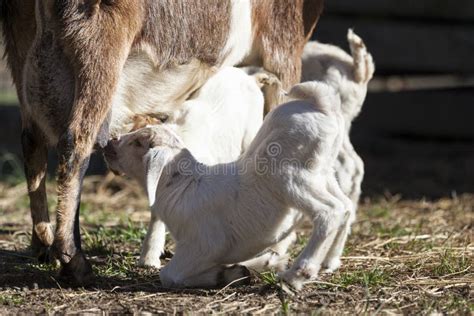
{"x": 97, "y": 39}
{"x": 154, "y": 244}
{"x": 73, "y": 164}
{"x": 35, "y": 154}
{"x": 326, "y": 213}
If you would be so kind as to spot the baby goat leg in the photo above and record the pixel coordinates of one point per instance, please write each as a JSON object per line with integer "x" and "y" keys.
{"x": 189, "y": 269}
{"x": 333, "y": 258}
{"x": 326, "y": 213}
{"x": 275, "y": 258}
{"x": 154, "y": 244}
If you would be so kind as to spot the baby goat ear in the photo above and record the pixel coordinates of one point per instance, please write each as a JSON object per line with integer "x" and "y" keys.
{"x": 147, "y": 139}
{"x": 155, "y": 161}
{"x": 155, "y": 140}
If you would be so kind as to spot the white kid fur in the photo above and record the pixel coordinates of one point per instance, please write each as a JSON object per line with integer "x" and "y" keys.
{"x": 349, "y": 75}
{"x": 224, "y": 116}
{"x": 229, "y": 213}
{"x": 217, "y": 126}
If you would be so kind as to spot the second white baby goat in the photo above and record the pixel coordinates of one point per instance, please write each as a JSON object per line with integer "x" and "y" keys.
{"x": 349, "y": 76}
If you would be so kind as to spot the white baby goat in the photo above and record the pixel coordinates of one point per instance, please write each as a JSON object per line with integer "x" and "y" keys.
{"x": 225, "y": 214}
{"x": 217, "y": 125}
{"x": 349, "y": 75}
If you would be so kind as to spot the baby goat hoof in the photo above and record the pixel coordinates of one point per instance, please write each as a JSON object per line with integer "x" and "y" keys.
{"x": 237, "y": 275}
{"x": 147, "y": 263}
{"x": 298, "y": 277}
{"x": 332, "y": 265}
{"x": 291, "y": 284}
{"x": 78, "y": 271}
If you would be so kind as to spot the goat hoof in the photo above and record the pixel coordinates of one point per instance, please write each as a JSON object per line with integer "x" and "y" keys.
{"x": 78, "y": 270}
{"x": 238, "y": 275}
{"x": 41, "y": 251}
{"x": 43, "y": 255}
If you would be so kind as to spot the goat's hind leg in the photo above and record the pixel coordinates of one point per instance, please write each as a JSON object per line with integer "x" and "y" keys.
{"x": 326, "y": 213}
{"x": 35, "y": 154}
{"x": 188, "y": 270}
{"x": 332, "y": 260}
{"x": 274, "y": 258}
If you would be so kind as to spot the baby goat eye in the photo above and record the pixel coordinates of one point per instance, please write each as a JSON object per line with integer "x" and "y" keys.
{"x": 137, "y": 143}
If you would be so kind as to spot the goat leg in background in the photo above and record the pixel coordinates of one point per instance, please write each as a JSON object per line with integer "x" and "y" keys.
{"x": 35, "y": 154}
{"x": 282, "y": 28}
{"x": 19, "y": 32}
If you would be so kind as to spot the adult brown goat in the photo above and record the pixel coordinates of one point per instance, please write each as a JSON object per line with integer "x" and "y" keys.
{"x": 84, "y": 68}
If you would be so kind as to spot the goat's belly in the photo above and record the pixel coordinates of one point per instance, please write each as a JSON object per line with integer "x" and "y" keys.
{"x": 144, "y": 88}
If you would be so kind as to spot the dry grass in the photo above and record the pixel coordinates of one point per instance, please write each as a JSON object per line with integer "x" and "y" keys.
{"x": 403, "y": 257}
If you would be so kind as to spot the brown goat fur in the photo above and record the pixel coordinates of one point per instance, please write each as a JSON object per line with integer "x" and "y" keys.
{"x": 67, "y": 59}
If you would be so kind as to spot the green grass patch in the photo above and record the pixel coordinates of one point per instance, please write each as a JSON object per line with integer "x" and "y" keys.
{"x": 459, "y": 305}
{"x": 43, "y": 267}
{"x": 8, "y": 98}
{"x": 378, "y": 212}
{"x": 11, "y": 299}
{"x": 11, "y": 169}
{"x": 119, "y": 267}
{"x": 390, "y": 231}
{"x": 370, "y": 278}
{"x": 106, "y": 241}
{"x": 450, "y": 262}
{"x": 269, "y": 278}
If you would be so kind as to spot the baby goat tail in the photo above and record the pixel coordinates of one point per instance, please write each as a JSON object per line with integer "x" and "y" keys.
{"x": 323, "y": 96}
{"x": 364, "y": 66}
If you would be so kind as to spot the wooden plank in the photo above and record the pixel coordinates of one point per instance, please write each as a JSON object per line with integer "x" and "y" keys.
{"x": 406, "y": 47}
{"x": 461, "y": 10}
{"x": 428, "y": 114}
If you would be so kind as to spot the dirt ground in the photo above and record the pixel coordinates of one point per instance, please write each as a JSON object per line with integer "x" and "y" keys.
{"x": 403, "y": 257}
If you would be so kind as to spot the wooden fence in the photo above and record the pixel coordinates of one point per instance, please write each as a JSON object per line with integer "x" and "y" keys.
{"x": 424, "y": 50}
{"x": 409, "y": 38}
